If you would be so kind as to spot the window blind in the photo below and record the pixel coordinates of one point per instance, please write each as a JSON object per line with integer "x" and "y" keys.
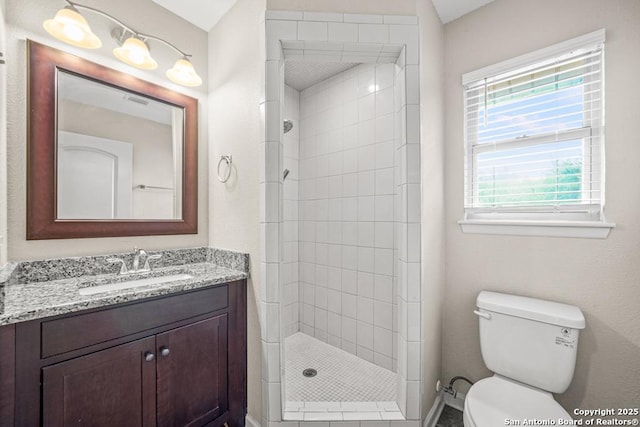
{"x": 534, "y": 138}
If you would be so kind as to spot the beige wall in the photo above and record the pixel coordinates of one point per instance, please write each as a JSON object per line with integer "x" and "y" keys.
{"x": 600, "y": 276}
{"x": 234, "y": 126}
{"x": 24, "y": 20}
{"x": 432, "y": 157}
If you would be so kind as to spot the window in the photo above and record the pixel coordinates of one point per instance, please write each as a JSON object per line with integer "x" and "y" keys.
{"x": 534, "y": 129}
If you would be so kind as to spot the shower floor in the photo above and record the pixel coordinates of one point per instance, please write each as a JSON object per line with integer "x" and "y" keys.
{"x": 345, "y": 387}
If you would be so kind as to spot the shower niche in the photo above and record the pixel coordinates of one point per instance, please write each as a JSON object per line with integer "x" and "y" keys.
{"x": 341, "y": 301}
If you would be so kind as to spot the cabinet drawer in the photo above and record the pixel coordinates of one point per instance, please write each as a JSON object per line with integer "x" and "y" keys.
{"x": 75, "y": 332}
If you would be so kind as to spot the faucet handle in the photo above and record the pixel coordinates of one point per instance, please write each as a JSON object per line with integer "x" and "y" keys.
{"x": 149, "y": 258}
{"x": 123, "y": 266}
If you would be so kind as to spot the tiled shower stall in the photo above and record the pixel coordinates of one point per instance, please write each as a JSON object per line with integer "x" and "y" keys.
{"x": 341, "y": 234}
{"x": 345, "y": 212}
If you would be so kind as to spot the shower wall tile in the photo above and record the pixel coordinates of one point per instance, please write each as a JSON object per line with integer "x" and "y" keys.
{"x": 412, "y": 85}
{"x": 291, "y": 248}
{"x": 279, "y": 30}
{"x": 413, "y": 358}
{"x": 413, "y": 124}
{"x": 275, "y": 401}
{"x": 286, "y": 15}
{"x": 408, "y": 35}
{"x": 413, "y": 399}
{"x": 373, "y": 33}
{"x": 341, "y": 32}
{"x": 312, "y": 30}
{"x": 346, "y": 187}
{"x": 269, "y": 283}
{"x": 319, "y": 16}
{"x": 372, "y": 19}
{"x": 271, "y": 356}
{"x": 385, "y": 77}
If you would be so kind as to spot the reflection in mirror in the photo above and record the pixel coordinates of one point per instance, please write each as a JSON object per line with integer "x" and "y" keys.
{"x": 108, "y": 154}
{"x": 119, "y": 153}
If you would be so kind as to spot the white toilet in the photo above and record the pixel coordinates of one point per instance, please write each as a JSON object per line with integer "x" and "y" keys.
{"x": 531, "y": 346}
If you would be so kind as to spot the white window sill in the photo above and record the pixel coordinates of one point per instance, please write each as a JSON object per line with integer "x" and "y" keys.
{"x": 579, "y": 229}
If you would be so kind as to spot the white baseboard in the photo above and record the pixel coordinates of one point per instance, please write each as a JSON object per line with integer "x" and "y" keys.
{"x": 434, "y": 413}
{"x": 443, "y": 399}
{"x": 250, "y": 422}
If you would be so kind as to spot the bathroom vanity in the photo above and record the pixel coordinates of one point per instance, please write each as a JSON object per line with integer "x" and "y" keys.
{"x": 172, "y": 354}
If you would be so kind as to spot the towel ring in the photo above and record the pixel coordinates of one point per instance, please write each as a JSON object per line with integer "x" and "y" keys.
{"x": 227, "y": 160}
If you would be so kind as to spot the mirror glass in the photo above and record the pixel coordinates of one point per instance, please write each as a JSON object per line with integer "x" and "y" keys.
{"x": 109, "y": 154}
{"x": 119, "y": 153}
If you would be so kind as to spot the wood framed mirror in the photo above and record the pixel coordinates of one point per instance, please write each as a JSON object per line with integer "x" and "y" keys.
{"x": 108, "y": 154}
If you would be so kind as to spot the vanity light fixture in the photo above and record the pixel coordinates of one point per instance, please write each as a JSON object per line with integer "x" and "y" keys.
{"x": 183, "y": 73}
{"x": 70, "y": 27}
{"x": 135, "y": 52}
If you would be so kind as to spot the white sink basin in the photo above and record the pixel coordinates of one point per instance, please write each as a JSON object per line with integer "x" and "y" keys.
{"x": 91, "y": 290}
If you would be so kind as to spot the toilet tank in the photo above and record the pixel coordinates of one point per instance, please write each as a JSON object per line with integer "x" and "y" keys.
{"x": 529, "y": 340}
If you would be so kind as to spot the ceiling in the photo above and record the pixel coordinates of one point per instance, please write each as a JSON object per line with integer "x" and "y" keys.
{"x": 301, "y": 75}
{"x": 205, "y": 14}
{"x": 309, "y": 62}
{"x": 449, "y": 10}
{"x": 88, "y": 92}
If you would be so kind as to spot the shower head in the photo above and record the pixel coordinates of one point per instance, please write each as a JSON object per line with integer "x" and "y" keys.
{"x": 285, "y": 174}
{"x": 288, "y": 125}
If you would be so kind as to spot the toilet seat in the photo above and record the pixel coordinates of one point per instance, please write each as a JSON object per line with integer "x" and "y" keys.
{"x": 493, "y": 400}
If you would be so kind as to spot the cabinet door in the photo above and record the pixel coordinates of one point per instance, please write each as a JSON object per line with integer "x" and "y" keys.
{"x": 112, "y": 387}
{"x": 192, "y": 373}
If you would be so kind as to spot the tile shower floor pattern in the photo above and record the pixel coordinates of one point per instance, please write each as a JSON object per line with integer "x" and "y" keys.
{"x": 345, "y": 388}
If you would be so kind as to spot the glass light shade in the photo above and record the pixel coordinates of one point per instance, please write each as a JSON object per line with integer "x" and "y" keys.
{"x": 184, "y": 74}
{"x": 71, "y": 27}
{"x": 135, "y": 52}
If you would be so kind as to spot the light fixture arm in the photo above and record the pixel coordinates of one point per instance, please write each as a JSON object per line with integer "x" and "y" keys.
{"x": 166, "y": 43}
{"x": 142, "y": 36}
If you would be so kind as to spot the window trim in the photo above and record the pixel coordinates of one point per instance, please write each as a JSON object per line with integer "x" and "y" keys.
{"x": 579, "y": 229}
{"x": 584, "y": 220}
{"x": 540, "y": 55}
{"x": 532, "y": 141}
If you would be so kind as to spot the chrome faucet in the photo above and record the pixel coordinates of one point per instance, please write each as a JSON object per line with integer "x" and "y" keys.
{"x": 123, "y": 265}
{"x": 135, "y": 268}
{"x": 136, "y": 259}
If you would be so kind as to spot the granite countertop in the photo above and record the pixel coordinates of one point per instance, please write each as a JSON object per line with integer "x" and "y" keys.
{"x": 38, "y": 289}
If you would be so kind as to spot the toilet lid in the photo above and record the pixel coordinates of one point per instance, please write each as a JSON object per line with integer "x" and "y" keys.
{"x": 491, "y": 401}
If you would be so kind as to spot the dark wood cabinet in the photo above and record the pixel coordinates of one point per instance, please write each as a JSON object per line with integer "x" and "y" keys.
{"x": 192, "y": 373}
{"x": 173, "y": 361}
{"x": 113, "y": 387}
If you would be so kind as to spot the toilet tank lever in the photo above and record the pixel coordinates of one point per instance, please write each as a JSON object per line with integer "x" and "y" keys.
{"x": 481, "y": 314}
